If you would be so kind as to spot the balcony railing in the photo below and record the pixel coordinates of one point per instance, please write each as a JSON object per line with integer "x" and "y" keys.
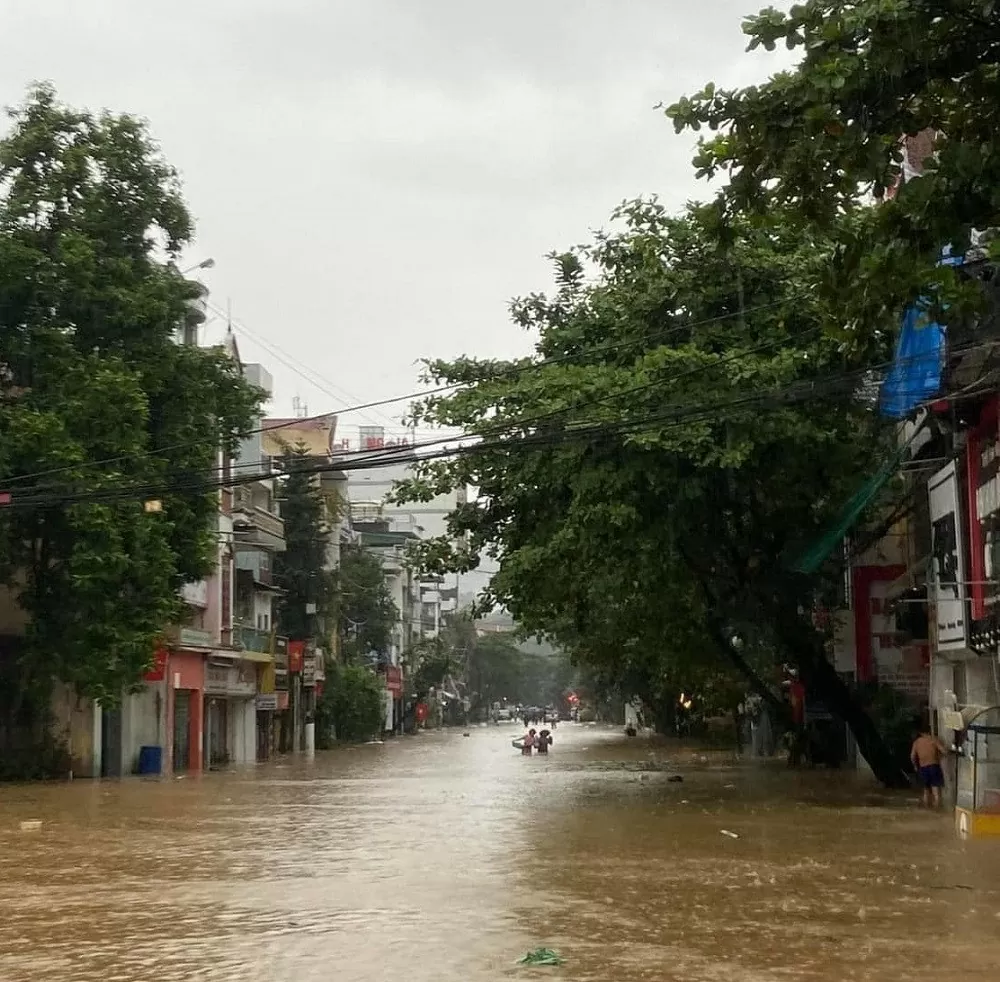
{"x": 252, "y": 639}
{"x": 256, "y": 517}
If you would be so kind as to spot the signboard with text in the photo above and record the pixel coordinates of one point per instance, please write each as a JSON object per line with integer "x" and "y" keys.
{"x": 947, "y": 565}
{"x": 309, "y": 669}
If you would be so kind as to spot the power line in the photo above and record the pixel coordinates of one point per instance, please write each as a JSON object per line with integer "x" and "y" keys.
{"x": 798, "y": 391}
{"x": 406, "y": 454}
{"x": 514, "y": 370}
{"x": 291, "y": 362}
{"x": 497, "y": 427}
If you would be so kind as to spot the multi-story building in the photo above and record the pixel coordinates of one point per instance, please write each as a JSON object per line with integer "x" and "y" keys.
{"x": 387, "y": 528}
{"x": 211, "y": 680}
{"x": 259, "y": 534}
{"x": 307, "y": 657}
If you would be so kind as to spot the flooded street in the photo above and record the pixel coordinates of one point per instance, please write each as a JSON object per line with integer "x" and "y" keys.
{"x": 443, "y": 858}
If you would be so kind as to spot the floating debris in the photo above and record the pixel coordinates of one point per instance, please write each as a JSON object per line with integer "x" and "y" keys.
{"x": 675, "y": 779}
{"x": 731, "y": 835}
{"x": 541, "y": 956}
{"x": 31, "y": 825}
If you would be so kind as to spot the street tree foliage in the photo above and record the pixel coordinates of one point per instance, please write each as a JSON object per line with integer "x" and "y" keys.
{"x": 493, "y": 667}
{"x": 645, "y": 484}
{"x": 352, "y": 706}
{"x": 301, "y": 571}
{"x": 366, "y": 612}
{"x": 820, "y": 142}
{"x": 96, "y": 396}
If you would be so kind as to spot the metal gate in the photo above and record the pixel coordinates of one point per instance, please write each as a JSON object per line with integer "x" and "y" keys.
{"x": 182, "y": 729}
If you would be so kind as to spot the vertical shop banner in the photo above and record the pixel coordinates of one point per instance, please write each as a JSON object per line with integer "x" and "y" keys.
{"x": 947, "y": 567}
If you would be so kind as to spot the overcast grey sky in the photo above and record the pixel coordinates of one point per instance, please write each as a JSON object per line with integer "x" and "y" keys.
{"x": 375, "y": 179}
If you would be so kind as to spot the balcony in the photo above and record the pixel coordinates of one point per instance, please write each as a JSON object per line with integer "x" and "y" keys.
{"x": 195, "y": 594}
{"x": 256, "y": 526}
{"x": 252, "y": 639}
{"x": 191, "y": 637}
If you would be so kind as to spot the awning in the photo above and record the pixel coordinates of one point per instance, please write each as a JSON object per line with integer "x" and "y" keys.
{"x": 261, "y": 657}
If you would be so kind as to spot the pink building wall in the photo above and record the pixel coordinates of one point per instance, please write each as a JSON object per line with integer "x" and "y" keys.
{"x": 186, "y": 670}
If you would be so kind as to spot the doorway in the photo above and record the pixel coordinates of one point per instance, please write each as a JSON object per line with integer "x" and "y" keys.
{"x": 182, "y": 729}
{"x": 111, "y": 742}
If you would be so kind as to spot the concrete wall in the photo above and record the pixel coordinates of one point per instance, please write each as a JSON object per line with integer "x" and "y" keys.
{"x": 144, "y": 722}
{"x": 77, "y": 722}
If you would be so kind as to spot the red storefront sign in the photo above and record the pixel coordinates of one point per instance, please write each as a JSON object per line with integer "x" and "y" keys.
{"x": 296, "y": 653}
{"x": 394, "y": 679}
{"x": 159, "y": 670}
{"x": 797, "y": 697}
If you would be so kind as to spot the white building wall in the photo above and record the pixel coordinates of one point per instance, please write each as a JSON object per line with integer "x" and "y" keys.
{"x": 143, "y": 723}
{"x": 375, "y": 485}
{"x": 262, "y": 610}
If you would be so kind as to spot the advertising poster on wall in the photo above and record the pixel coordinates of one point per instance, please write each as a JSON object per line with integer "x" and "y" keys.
{"x": 947, "y": 567}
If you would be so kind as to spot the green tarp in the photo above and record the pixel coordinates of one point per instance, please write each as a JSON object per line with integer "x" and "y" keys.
{"x": 814, "y": 557}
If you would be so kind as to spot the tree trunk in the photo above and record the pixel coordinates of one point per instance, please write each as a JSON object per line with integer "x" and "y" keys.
{"x": 821, "y": 679}
{"x": 805, "y": 648}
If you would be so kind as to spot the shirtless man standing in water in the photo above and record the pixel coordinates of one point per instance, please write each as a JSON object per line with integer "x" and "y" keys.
{"x": 927, "y": 753}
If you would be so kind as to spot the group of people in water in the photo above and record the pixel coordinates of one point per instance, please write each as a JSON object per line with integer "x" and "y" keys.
{"x": 537, "y": 741}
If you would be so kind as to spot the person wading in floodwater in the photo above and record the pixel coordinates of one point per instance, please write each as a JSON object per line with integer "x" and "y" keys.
{"x": 927, "y": 753}
{"x": 543, "y": 741}
{"x": 526, "y": 744}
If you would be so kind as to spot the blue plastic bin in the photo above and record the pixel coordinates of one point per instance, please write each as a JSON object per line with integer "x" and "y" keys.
{"x": 150, "y": 760}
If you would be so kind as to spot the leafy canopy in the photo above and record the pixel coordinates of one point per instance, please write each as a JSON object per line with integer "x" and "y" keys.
{"x": 367, "y": 614}
{"x": 301, "y": 570}
{"x": 818, "y": 141}
{"x": 688, "y": 427}
{"x": 96, "y": 395}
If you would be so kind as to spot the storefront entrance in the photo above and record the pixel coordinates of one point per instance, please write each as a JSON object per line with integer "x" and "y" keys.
{"x": 216, "y": 732}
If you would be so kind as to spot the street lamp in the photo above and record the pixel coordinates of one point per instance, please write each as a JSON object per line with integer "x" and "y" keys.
{"x": 204, "y": 264}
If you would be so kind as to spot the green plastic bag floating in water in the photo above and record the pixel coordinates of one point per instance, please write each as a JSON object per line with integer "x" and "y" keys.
{"x": 541, "y": 956}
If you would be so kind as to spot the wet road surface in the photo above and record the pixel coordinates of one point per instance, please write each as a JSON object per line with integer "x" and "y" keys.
{"x": 445, "y": 858}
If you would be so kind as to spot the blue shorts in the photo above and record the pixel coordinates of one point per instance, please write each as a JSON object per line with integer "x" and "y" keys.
{"x": 932, "y": 776}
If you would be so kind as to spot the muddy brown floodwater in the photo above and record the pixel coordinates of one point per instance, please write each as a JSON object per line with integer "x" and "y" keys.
{"x": 442, "y": 859}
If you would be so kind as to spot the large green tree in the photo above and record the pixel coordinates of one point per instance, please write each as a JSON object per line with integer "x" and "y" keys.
{"x": 821, "y": 141}
{"x": 97, "y": 397}
{"x": 367, "y": 614}
{"x": 308, "y": 606}
{"x": 645, "y": 485}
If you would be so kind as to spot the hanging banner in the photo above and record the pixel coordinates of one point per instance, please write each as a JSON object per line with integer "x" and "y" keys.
{"x": 159, "y": 670}
{"x": 296, "y": 651}
{"x": 947, "y": 572}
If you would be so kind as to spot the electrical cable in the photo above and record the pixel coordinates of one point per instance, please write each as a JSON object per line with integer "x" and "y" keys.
{"x": 513, "y": 370}
{"x": 810, "y": 388}
{"x": 798, "y": 391}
